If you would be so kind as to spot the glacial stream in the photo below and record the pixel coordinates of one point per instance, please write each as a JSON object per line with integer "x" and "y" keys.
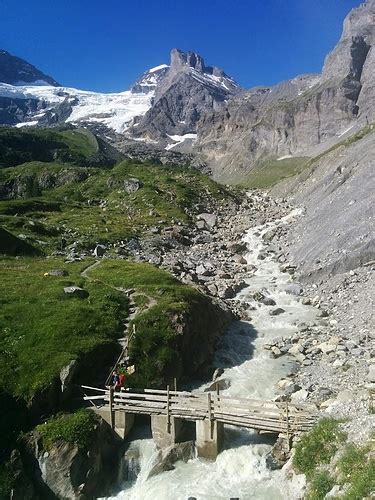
{"x": 240, "y": 470}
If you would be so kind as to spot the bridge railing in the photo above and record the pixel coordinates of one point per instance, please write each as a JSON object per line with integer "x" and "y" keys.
{"x": 268, "y": 416}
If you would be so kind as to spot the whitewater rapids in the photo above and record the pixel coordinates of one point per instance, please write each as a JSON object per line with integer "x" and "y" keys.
{"x": 240, "y": 470}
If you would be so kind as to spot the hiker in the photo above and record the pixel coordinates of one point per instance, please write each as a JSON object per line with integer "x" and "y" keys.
{"x": 122, "y": 380}
{"x": 114, "y": 379}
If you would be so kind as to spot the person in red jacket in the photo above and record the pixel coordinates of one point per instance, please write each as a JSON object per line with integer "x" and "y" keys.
{"x": 121, "y": 380}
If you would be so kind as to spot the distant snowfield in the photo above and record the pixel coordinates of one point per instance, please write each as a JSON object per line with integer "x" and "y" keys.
{"x": 179, "y": 139}
{"x": 115, "y": 110}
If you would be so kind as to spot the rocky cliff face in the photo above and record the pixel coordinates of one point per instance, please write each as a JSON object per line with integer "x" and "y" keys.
{"x": 66, "y": 471}
{"x": 17, "y": 71}
{"x": 188, "y": 90}
{"x": 293, "y": 117}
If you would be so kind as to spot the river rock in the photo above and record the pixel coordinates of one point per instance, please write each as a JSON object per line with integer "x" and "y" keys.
{"x": 76, "y": 291}
{"x": 277, "y": 311}
{"x": 267, "y": 301}
{"x": 168, "y": 457}
{"x": 279, "y": 454}
{"x": 220, "y": 384}
{"x": 293, "y": 289}
{"x": 258, "y": 296}
{"x": 217, "y": 373}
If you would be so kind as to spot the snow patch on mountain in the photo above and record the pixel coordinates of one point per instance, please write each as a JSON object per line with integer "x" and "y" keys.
{"x": 179, "y": 139}
{"x": 157, "y": 68}
{"x": 116, "y": 110}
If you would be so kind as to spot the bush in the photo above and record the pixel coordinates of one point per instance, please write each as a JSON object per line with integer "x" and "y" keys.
{"x": 357, "y": 468}
{"x": 318, "y": 446}
{"x": 320, "y": 485}
{"x": 76, "y": 428}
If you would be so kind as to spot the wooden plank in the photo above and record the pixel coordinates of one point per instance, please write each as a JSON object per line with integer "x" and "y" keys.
{"x": 239, "y": 418}
{"x": 89, "y": 398}
{"x": 94, "y": 388}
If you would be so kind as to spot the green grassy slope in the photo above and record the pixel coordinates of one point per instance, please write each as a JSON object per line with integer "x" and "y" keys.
{"x": 71, "y": 207}
{"x": 22, "y": 145}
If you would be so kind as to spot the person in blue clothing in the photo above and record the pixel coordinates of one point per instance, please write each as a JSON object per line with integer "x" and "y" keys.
{"x": 114, "y": 379}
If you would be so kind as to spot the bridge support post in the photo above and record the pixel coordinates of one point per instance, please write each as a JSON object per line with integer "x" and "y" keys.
{"x": 166, "y": 431}
{"x": 120, "y": 421}
{"x": 209, "y": 438}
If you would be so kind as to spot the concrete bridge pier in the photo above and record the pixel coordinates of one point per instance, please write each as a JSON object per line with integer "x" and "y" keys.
{"x": 166, "y": 431}
{"x": 120, "y": 421}
{"x": 209, "y": 438}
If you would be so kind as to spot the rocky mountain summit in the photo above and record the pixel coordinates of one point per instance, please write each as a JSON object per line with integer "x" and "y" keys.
{"x": 17, "y": 71}
{"x": 188, "y": 91}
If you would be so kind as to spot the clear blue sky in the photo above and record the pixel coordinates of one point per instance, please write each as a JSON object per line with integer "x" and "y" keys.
{"x": 105, "y": 45}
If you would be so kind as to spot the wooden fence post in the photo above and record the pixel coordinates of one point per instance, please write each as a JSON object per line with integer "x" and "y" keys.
{"x": 175, "y": 384}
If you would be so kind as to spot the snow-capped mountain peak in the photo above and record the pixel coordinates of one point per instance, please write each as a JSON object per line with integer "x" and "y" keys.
{"x": 150, "y": 80}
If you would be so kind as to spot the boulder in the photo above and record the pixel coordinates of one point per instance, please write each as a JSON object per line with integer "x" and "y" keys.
{"x": 267, "y": 301}
{"x": 258, "y": 296}
{"x": 99, "y": 250}
{"x": 299, "y": 396}
{"x": 209, "y": 219}
{"x": 67, "y": 471}
{"x": 132, "y": 185}
{"x": 220, "y": 384}
{"x": 76, "y": 291}
{"x": 326, "y": 347}
{"x": 277, "y": 311}
{"x": 293, "y": 289}
{"x": 66, "y": 374}
{"x": 279, "y": 454}
{"x": 217, "y": 373}
{"x": 169, "y": 456}
{"x": 57, "y": 272}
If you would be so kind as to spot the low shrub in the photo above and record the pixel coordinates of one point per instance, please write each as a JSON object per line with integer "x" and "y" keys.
{"x": 318, "y": 446}
{"x": 76, "y": 428}
{"x": 320, "y": 485}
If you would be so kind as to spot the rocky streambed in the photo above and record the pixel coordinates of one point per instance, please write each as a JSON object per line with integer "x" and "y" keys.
{"x": 247, "y": 363}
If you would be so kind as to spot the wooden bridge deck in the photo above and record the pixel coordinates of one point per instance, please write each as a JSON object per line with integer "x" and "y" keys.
{"x": 269, "y": 416}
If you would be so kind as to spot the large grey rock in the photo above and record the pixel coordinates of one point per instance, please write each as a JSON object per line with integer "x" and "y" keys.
{"x": 132, "y": 185}
{"x": 70, "y": 472}
{"x": 58, "y": 272}
{"x": 209, "y": 219}
{"x": 294, "y": 289}
{"x": 76, "y": 291}
{"x": 99, "y": 250}
{"x": 168, "y": 457}
{"x": 67, "y": 373}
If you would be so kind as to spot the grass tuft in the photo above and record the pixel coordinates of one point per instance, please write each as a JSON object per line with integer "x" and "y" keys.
{"x": 318, "y": 446}
{"x": 76, "y": 428}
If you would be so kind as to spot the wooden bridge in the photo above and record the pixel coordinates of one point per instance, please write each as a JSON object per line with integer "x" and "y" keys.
{"x": 170, "y": 409}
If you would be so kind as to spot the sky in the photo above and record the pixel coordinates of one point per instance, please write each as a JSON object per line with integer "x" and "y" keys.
{"x": 104, "y": 45}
